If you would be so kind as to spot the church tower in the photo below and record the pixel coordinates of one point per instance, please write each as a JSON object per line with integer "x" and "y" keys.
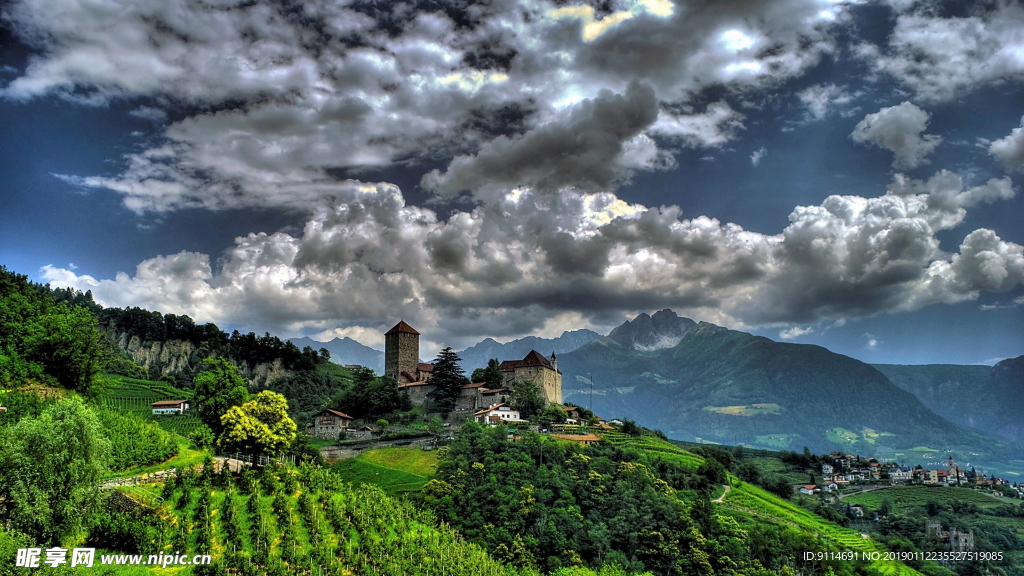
{"x": 402, "y": 353}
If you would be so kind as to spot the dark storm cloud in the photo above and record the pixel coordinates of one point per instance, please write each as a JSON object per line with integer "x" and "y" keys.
{"x": 582, "y": 150}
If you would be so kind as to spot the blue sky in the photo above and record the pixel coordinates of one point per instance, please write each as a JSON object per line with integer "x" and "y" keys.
{"x": 835, "y": 173}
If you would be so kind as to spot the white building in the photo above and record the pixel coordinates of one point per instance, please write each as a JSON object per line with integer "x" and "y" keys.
{"x": 496, "y": 414}
{"x": 170, "y": 406}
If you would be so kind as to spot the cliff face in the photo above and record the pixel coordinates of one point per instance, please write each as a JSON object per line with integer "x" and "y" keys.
{"x": 181, "y": 357}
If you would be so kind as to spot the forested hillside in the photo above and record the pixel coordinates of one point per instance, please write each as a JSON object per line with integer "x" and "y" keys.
{"x": 732, "y": 387}
{"x": 988, "y": 398}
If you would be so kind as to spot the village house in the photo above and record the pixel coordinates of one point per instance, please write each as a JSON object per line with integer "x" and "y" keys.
{"x": 826, "y": 468}
{"x": 329, "y": 423}
{"x": 809, "y": 489}
{"x": 166, "y": 407}
{"x": 497, "y": 414}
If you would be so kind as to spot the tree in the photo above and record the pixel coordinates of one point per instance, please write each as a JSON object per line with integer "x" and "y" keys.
{"x": 491, "y": 376}
{"x": 448, "y": 379}
{"x": 259, "y": 426}
{"x": 370, "y": 395}
{"x": 528, "y": 398}
{"x": 436, "y": 427}
{"x": 218, "y": 387}
{"x": 50, "y": 467}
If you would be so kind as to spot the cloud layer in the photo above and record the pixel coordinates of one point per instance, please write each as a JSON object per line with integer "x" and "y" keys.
{"x": 516, "y": 264}
{"x": 279, "y": 101}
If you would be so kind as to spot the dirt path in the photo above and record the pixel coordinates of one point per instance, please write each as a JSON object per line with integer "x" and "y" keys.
{"x": 719, "y": 499}
{"x": 162, "y": 475}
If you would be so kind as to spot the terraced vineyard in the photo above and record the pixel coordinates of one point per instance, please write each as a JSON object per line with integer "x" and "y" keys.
{"x": 656, "y": 446}
{"x": 903, "y": 497}
{"x": 309, "y": 521}
{"x": 133, "y": 396}
{"x": 753, "y": 500}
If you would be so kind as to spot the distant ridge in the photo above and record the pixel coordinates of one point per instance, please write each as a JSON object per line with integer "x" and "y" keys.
{"x": 346, "y": 351}
{"x": 988, "y": 398}
{"x": 476, "y": 356}
{"x": 662, "y": 330}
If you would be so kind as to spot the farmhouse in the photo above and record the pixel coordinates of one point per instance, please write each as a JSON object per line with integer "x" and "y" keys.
{"x": 170, "y": 406}
{"x": 328, "y": 423}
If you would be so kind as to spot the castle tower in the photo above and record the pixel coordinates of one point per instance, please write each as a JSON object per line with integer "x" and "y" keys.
{"x": 554, "y": 362}
{"x": 401, "y": 352}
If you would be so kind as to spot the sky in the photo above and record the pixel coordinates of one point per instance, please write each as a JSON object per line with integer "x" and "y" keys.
{"x": 825, "y": 172}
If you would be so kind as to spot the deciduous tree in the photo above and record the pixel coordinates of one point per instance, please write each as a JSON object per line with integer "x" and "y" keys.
{"x": 259, "y": 426}
{"x": 528, "y": 397}
{"x": 50, "y": 468}
{"x": 218, "y": 387}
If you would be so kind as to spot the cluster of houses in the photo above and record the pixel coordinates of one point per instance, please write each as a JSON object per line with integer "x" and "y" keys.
{"x": 847, "y": 469}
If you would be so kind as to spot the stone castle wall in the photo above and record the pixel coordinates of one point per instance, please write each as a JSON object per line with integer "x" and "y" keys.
{"x": 549, "y": 380}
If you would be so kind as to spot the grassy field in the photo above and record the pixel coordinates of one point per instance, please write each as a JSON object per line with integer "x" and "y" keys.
{"x": 903, "y": 497}
{"x": 747, "y": 410}
{"x": 779, "y": 441}
{"x": 410, "y": 460}
{"x": 394, "y": 470}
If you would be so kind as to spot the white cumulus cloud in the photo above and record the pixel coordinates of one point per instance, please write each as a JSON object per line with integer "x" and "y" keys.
{"x": 899, "y": 130}
{"x": 1010, "y": 149}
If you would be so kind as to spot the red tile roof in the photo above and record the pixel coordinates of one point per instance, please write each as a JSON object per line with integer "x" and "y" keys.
{"x": 534, "y": 358}
{"x": 488, "y": 409}
{"x": 169, "y": 402}
{"x": 339, "y": 414}
{"x": 403, "y": 328}
{"x": 424, "y": 367}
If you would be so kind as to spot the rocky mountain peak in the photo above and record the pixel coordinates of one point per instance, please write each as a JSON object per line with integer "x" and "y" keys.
{"x": 664, "y": 329}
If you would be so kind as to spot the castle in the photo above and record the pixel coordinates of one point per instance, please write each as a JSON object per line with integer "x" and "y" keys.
{"x": 402, "y": 362}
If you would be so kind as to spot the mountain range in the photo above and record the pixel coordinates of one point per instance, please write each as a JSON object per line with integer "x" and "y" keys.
{"x": 349, "y": 351}
{"x": 989, "y": 398}
{"x": 346, "y": 351}
{"x": 476, "y": 356}
{"x": 702, "y": 381}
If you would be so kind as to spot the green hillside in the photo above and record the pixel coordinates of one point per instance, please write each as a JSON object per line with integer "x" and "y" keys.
{"x": 135, "y": 396}
{"x": 989, "y": 398}
{"x": 394, "y": 470}
{"x": 731, "y": 387}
